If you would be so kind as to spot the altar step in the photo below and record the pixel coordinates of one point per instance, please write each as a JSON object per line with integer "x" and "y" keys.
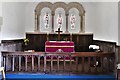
{"x": 39, "y": 76}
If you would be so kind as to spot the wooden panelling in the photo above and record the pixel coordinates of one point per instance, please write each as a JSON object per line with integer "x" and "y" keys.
{"x": 106, "y": 46}
{"x": 81, "y": 41}
{"x": 11, "y": 45}
{"x": 37, "y": 41}
{"x": 118, "y": 54}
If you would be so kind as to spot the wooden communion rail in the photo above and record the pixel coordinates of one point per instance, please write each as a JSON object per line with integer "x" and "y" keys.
{"x": 79, "y": 62}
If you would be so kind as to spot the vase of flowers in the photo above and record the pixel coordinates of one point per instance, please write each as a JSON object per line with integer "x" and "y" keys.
{"x": 26, "y": 41}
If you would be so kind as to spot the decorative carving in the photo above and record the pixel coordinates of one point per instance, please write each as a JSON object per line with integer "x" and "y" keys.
{"x": 66, "y": 8}
{"x": 42, "y": 5}
{"x": 77, "y": 6}
{"x": 60, "y": 5}
{"x": 52, "y": 31}
{"x": 82, "y": 24}
{"x": 38, "y": 9}
{"x": 81, "y": 13}
{"x": 66, "y": 24}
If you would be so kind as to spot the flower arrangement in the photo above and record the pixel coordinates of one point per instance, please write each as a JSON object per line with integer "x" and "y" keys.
{"x": 26, "y": 41}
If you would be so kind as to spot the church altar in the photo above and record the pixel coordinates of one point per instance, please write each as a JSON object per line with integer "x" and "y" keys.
{"x": 59, "y": 46}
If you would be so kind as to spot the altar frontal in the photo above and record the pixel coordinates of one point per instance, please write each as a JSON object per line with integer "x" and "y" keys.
{"x": 59, "y": 46}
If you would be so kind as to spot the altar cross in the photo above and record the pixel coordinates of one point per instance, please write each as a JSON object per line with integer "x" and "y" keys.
{"x": 59, "y": 33}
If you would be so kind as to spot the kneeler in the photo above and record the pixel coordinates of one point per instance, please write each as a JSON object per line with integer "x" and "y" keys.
{"x": 59, "y": 46}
